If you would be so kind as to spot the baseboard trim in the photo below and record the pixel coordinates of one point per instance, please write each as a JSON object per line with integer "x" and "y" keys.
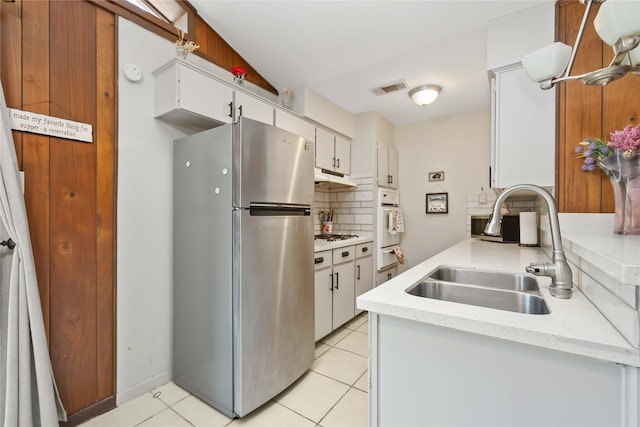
{"x": 140, "y": 389}
{"x": 89, "y": 412}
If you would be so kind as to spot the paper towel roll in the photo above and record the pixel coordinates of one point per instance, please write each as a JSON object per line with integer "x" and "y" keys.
{"x": 528, "y": 228}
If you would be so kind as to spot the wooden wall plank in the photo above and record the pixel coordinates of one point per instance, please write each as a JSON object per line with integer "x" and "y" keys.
{"x": 105, "y": 173}
{"x": 73, "y": 205}
{"x": 11, "y": 61}
{"x": 35, "y": 60}
{"x": 581, "y": 117}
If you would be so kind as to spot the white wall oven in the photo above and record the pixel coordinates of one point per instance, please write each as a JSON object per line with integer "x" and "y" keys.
{"x": 388, "y": 237}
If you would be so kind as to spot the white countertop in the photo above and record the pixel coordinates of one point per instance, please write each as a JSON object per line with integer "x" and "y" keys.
{"x": 322, "y": 245}
{"x": 573, "y": 326}
{"x": 591, "y": 236}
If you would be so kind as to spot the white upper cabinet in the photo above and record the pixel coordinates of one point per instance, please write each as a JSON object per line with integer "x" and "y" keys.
{"x": 294, "y": 124}
{"x": 185, "y": 95}
{"x": 253, "y": 108}
{"x": 325, "y": 149}
{"x": 343, "y": 155}
{"x": 333, "y": 153}
{"x": 387, "y": 165}
{"x": 523, "y": 130}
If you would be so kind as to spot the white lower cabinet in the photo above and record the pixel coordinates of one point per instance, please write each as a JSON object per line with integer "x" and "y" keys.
{"x": 343, "y": 285}
{"x": 364, "y": 270}
{"x": 340, "y": 276}
{"x": 322, "y": 280}
{"x": 428, "y": 375}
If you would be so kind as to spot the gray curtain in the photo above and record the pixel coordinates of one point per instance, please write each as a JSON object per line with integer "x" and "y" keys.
{"x": 28, "y": 393}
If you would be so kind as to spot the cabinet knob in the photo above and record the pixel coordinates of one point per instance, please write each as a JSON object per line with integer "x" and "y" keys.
{"x": 338, "y": 163}
{"x": 365, "y": 249}
{"x": 231, "y": 109}
{"x": 319, "y": 260}
{"x": 345, "y": 254}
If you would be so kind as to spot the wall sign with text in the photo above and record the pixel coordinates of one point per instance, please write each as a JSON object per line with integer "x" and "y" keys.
{"x": 27, "y": 121}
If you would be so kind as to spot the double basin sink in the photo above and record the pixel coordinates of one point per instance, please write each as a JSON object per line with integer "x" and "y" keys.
{"x": 485, "y": 288}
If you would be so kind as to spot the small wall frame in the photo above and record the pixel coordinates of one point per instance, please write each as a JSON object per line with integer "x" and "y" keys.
{"x": 437, "y": 203}
{"x": 436, "y": 176}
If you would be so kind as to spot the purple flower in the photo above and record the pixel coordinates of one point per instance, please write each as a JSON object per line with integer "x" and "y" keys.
{"x": 587, "y": 153}
{"x": 592, "y": 146}
{"x": 605, "y": 150}
{"x": 589, "y": 160}
{"x": 584, "y": 167}
{"x": 591, "y": 167}
{"x": 579, "y": 149}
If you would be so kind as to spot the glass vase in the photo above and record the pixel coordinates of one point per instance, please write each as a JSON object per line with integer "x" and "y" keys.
{"x": 623, "y": 170}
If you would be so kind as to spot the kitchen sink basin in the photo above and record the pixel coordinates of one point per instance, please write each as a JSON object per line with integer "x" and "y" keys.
{"x": 491, "y": 279}
{"x": 519, "y": 302}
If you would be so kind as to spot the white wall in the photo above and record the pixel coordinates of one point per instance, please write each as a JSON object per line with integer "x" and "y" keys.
{"x": 145, "y": 220}
{"x": 460, "y": 146}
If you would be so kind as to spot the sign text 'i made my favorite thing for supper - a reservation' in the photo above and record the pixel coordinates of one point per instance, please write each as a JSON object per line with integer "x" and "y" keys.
{"x": 27, "y": 121}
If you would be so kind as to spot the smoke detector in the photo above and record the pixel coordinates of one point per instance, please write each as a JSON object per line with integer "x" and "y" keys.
{"x": 391, "y": 87}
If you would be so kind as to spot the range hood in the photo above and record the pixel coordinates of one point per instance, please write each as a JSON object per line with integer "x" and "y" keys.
{"x": 332, "y": 179}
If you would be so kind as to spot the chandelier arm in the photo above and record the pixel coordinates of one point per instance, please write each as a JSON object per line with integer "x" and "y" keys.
{"x": 574, "y": 51}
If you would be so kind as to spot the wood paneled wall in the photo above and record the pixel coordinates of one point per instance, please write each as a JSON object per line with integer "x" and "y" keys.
{"x": 59, "y": 58}
{"x": 588, "y": 112}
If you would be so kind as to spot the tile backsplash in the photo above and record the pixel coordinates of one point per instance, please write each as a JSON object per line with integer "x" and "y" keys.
{"x": 352, "y": 207}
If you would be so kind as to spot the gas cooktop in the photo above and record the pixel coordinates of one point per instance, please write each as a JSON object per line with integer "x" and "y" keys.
{"x": 334, "y": 237}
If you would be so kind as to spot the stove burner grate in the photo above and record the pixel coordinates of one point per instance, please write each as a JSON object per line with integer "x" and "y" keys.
{"x": 335, "y": 237}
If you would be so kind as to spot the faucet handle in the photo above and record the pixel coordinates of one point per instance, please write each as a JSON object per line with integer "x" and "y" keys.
{"x": 539, "y": 269}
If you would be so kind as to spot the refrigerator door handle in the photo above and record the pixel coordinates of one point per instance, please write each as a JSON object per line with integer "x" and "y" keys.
{"x": 265, "y": 209}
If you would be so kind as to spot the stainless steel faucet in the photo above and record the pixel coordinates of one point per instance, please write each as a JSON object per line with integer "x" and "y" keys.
{"x": 558, "y": 270}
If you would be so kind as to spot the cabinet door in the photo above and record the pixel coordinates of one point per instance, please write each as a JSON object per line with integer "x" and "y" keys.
{"x": 294, "y": 124}
{"x": 343, "y": 293}
{"x": 393, "y": 167}
{"x": 383, "y": 164}
{"x": 323, "y": 302}
{"x": 203, "y": 95}
{"x": 343, "y": 155}
{"x": 524, "y": 130}
{"x": 364, "y": 278}
{"x": 253, "y": 108}
{"x": 325, "y": 158}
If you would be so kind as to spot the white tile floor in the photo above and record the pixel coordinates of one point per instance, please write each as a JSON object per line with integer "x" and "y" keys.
{"x": 332, "y": 393}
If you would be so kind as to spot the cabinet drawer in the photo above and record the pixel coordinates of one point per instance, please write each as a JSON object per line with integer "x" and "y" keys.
{"x": 364, "y": 249}
{"x": 348, "y": 253}
{"x": 321, "y": 260}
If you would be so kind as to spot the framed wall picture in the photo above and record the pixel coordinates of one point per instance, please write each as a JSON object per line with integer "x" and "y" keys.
{"x": 437, "y": 203}
{"x": 436, "y": 176}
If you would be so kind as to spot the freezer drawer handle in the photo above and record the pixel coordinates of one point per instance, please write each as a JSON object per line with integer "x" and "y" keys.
{"x": 345, "y": 254}
{"x": 319, "y": 260}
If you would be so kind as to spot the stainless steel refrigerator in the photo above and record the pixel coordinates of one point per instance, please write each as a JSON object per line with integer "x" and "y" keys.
{"x": 243, "y": 264}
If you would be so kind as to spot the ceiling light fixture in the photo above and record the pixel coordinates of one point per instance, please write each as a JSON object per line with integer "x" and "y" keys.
{"x": 425, "y": 94}
{"x": 617, "y": 23}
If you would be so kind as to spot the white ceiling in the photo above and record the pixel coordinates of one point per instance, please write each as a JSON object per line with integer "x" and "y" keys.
{"x": 343, "y": 49}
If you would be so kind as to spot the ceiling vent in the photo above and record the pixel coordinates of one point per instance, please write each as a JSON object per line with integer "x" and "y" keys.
{"x": 392, "y": 87}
